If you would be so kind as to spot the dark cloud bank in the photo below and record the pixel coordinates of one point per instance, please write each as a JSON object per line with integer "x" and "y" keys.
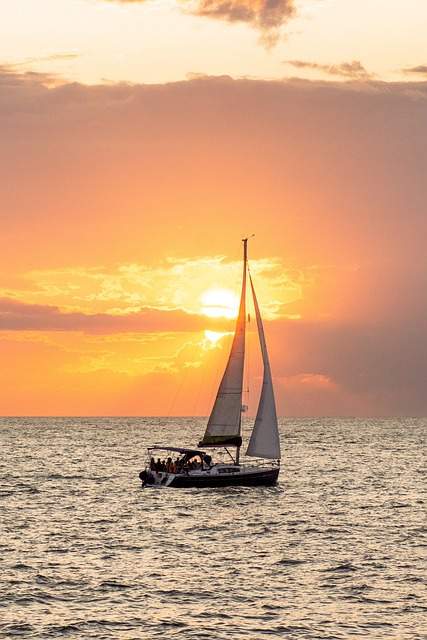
{"x": 16, "y": 315}
{"x": 333, "y": 173}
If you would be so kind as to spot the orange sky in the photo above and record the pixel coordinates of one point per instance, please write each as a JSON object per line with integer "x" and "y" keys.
{"x": 122, "y": 209}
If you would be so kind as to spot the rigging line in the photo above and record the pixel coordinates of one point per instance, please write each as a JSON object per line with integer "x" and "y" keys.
{"x": 197, "y": 394}
{"x": 249, "y": 358}
{"x": 179, "y": 387}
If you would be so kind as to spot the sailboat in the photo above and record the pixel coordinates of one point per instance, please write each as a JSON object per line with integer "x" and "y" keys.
{"x": 195, "y": 467}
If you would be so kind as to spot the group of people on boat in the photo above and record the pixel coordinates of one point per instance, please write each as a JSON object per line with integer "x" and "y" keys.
{"x": 180, "y": 465}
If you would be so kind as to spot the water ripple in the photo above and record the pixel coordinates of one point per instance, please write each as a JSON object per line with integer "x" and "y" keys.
{"x": 335, "y": 551}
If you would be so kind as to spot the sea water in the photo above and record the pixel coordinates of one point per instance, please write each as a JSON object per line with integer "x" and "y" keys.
{"x": 335, "y": 550}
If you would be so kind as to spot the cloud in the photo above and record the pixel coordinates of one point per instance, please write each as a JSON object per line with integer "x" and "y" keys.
{"x": 172, "y": 284}
{"x": 329, "y": 175}
{"x": 49, "y": 58}
{"x": 367, "y": 366}
{"x": 266, "y": 15}
{"x": 11, "y": 76}
{"x": 16, "y": 315}
{"x": 354, "y": 69}
{"x": 421, "y": 69}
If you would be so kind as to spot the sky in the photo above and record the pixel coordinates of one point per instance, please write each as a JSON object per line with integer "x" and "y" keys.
{"x": 141, "y": 140}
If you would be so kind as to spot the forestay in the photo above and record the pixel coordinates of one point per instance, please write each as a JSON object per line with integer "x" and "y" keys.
{"x": 264, "y": 441}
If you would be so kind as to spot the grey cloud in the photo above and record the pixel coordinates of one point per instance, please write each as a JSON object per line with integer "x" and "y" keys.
{"x": 10, "y": 75}
{"x": 353, "y": 69}
{"x": 421, "y": 69}
{"x": 373, "y": 365}
{"x": 266, "y": 15}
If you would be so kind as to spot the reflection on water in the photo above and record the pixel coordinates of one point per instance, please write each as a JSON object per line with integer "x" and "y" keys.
{"x": 334, "y": 551}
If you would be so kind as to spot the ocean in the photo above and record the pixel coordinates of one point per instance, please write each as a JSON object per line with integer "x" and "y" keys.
{"x": 336, "y": 550}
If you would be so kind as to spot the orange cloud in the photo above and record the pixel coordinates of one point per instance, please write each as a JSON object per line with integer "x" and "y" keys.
{"x": 173, "y": 284}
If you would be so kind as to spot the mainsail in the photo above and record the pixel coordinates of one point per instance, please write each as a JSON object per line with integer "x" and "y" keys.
{"x": 224, "y": 424}
{"x": 264, "y": 441}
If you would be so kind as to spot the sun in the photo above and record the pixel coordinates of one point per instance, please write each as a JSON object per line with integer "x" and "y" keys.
{"x": 219, "y": 303}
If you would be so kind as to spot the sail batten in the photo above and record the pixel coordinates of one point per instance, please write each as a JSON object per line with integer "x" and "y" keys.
{"x": 224, "y": 424}
{"x": 264, "y": 441}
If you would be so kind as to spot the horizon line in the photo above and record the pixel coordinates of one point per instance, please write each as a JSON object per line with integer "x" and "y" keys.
{"x": 172, "y": 417}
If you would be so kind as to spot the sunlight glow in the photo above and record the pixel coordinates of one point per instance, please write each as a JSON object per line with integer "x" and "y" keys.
{"x": 219, "y": 303}
{"x": 214, "y": 336}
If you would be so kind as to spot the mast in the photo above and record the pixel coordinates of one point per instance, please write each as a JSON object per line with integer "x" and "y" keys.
{"x": 245, "y": 267}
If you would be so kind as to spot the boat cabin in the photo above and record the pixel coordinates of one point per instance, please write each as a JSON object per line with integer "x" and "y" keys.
{"x": 177, "y": 459}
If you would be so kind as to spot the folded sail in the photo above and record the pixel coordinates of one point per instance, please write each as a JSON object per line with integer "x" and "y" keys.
{"x": 224, "y": 423}
{"x": 264, "y": 442}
